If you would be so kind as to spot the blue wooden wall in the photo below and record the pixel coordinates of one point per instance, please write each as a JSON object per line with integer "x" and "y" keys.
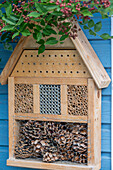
{"x": 103, "y": 50}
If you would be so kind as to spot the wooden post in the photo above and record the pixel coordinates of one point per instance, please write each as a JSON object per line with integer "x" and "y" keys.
{"x": 11, "y": 115}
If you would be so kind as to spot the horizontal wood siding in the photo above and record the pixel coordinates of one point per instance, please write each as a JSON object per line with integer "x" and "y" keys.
{"x": 103, "y": 50}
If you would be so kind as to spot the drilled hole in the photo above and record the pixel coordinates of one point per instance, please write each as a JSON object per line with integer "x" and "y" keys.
{"x": 58, "y": 71}
{"x": 34, "y": 63}
{"x": 17, "y": 71}
{"x": 46, "y": 71}
{"x": 34, "y": 71}
{"x": 65, "y": 63}
{"x": 23, "y": 71}
{"x": 28, "y": 63}
{"x": 52, "y": 71}
{"x": 53, "y": 63}
{"x": 77, "y": 72}
{"x": 22, "y": 63}
{"x": 55, "y": 55}
{"x": 64, "y": 71}
{"x": 25, "y": 55}
{"x": 59, "y": 63}
{"x": 40, "y": 63}
{"x": 71, "y": 72}
{"x": 29, "y": 71}
{"x": 67, "y": 55}
{"x": 49, "y": 55}
{"x": 84, "y": 72}
{"x": 61, "y": 55}
{"x": 74, "y": 55}
{"x": 40, "y": 71}
{"x": 79, "y": 63}
{"x": 37, "y": 55}
{"x": 72, "y": 63}
{"x": 31, "y": 55}
{"x": 46, "y": 63}
{"x": 43, "y": 55}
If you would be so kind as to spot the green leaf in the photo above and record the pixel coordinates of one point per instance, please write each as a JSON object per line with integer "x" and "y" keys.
{"x": 9, "y": 21}
{"x": 92, "y": 33}
{"x": 86, "y": 13}
{"x": 8, "y": 46}
{"x": 97, "y": 26}
{"x": 0, "y": 13}
{"x": 38, "y": 27}
{"x": 14, "y": 17}
{"x": 20, "y": 21}
{"x": 105, "y": 36}
{"x": 57, "y": 13}
{"x": 42, "y": 22}
{"x": 51, "y": 41}
{"x": 34, "y": 14}
{"x": 7, "y": 28}
{"x": 4, "y": 36}
{"x": 26, "y": 33}
{"x": 46, "y": 32}
{"x": 50, "y": 7}
{"x": 85, "y": 27}
{"x": 63, "y": 37}
{"x": 41, "y": 49}
{"x": 15, "y": 34}
{"x": 8, "y": 10}
{"x": 41, "y": 41}
{"x": 91, "y": 23}
{"x": 40, "y": 8}
{"x": 39, "y": 36}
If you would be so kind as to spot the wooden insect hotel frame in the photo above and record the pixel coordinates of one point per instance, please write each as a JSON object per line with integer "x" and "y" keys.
{"x": 55, "y": 105}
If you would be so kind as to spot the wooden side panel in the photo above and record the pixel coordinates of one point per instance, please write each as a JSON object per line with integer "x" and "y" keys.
{"x": 11, "y": 114}
{"x": 94, "y": 124}
{"x": 97, "y": 127}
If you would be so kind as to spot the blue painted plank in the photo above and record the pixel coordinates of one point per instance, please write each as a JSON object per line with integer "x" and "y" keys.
{"x": 3, "y": 106}
{"x": 106, "y": 109}
{"x": 103, "y": 51}
{"x": 106, "y": 161}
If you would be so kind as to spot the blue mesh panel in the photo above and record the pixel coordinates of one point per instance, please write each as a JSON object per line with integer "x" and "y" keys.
{"x": 50, "y": 100}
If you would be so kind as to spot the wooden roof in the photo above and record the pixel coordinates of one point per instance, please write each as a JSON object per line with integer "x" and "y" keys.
{"x": 81, "y": 43}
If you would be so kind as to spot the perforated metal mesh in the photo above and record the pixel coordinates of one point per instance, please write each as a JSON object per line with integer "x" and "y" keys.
{"x": 50, "y": 99}
{"x": 52, "y": 141}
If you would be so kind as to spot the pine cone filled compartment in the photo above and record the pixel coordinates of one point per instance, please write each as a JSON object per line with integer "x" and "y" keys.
{"x": 52, "y": 141}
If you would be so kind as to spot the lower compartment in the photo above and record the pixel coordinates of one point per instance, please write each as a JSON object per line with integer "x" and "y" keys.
{"x": 52, "y": 142}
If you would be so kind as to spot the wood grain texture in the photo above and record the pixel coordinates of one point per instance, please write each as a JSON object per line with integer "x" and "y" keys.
{"x": 11, "y": 114}
{"x": 36, "y": 98}
{"x": 55, "y": 80}
{"x": 55, "y": 166}
{"x": 46, "y": 117}
{"x": 12, "y": 61}
{"x": 64, "y": 100}
{"x": 91, "y": 60}
{"x": 51, "y": 63}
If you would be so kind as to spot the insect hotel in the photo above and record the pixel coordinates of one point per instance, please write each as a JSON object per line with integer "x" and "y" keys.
{"x": 55, "y": 105}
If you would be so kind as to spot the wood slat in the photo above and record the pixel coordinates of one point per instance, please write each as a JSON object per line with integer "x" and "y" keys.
{"x": 45, "y": 117}
{"x": 55, "y": 80}
{"x": 42, "y": 165}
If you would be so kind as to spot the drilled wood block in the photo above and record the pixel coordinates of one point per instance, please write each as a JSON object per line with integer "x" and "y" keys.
{"x": 23, "y": 98}
{"x": 52, "y": 63}
{"x": 52, "y": 141}
{"x": 77, "y": 100}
